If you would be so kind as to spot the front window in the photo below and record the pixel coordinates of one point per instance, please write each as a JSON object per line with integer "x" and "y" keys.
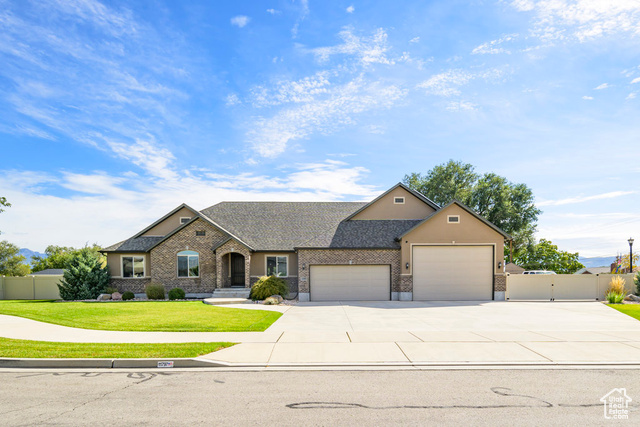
{"x": 277, "y": 266}
{"x": 188, "y": 264}
{"x": 132, "y": 266}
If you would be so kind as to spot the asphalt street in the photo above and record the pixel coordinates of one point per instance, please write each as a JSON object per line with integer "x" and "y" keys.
{"x": 408, "y": 397}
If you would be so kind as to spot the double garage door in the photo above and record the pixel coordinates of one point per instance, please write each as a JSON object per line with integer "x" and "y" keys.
{"x": 440, "y": 273}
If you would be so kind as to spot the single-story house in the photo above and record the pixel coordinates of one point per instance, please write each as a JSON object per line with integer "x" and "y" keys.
{"x": 594, "y": 270}
{"x": 400, "y": 246}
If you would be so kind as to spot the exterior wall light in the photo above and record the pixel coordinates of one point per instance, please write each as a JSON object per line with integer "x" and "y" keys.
{"x": 406, "y": 266}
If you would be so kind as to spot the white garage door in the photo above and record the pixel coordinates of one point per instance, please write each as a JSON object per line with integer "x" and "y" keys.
{"x": 446, "y": 273}
{"x": 350, "y": 283}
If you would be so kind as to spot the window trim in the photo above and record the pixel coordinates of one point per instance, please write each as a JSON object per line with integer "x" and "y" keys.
{"x": 395, "y": 202}
{"x": 144, "y": 266}
{"x": 188, "y": 218}
{"x": 453, "y": 216}
{"x": 178, "y": 265}
{"x": 266, "y": 256}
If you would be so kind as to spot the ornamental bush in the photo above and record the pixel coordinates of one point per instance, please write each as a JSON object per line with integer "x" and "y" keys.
{"x": 636, "y": 280}
{"x": 85, "y": 276}
{"x": 267, "y": 286}
{"x": 176, "y": 293}
{"x": 154, "y": 290}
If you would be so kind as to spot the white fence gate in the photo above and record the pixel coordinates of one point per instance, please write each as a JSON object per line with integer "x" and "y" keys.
{"x": 565, "y": 287}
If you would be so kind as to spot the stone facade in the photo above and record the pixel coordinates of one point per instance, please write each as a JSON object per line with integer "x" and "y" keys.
{"x": 309, "y": 257}
{"x": 500, "y": 283}
{"x": 164, "y": 258}
{"x": 406, "y": 283}
{"x": 133, "y": 285}
{"x": 229, "y": 247}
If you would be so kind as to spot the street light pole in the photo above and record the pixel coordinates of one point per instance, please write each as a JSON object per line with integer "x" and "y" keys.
{"x": 630, "y": 254}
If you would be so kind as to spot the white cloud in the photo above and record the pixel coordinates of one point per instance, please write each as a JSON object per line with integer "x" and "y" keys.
{"x": 446, "y": 84}
{"x": 493, "y": 47}
{"x": 304, "y": 11}
{"x": 602, "y": 86}
{"x": 414, "y": 40}
{"x": 581, "y": 19}
{"x": 286, "y": 91}
{"x": 460, "y": 106}
{"x": 273, "y": 11}
{"x": 370, "y": 50}
{"x": 240, "y": 21}
{"x": 587, "y": 98}
{"x": 632, "y": 95}
{"x": 350, "y": 9}
{"x": 636, "y": 80}
{"x": 573, "y": 200}
{"x": 122, "y": 205}
{"x": 326, "y": 113}
{"x": 232, "y": 100}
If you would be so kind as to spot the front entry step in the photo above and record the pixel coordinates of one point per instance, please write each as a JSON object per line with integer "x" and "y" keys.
{"x": 232, "y": 293}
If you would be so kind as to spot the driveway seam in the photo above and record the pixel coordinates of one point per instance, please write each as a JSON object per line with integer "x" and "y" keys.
{"x": 421, "y": 340}
{"x": 347, "y": 316}
{"x": 403, "y": 353}
{"x": 533, "y": 351}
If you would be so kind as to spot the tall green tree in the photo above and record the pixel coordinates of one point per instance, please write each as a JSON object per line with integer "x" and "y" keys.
{"x": 545, "y": 256}
{"x": 59, "y": 257}
{"x": 85, "y": 276}
{"x": 4, "y": 204}
{"x": 11, "y": 262}
{"x": 509, "y": 206}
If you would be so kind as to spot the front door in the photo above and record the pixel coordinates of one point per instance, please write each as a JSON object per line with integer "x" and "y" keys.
{"x": 237, "y": 270}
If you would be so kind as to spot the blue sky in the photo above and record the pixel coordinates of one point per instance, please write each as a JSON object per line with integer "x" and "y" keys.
{"x": 113, "y": 113}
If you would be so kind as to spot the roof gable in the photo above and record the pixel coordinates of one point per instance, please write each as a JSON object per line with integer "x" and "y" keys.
{"x": 464, "y": 208}
{"x": 162, "y": 227}
{"x": 412, "y": 205}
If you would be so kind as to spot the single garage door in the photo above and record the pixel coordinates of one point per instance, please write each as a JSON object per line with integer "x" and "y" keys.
{"x": 350, "y": 283}
{"x": 446, "y": 273}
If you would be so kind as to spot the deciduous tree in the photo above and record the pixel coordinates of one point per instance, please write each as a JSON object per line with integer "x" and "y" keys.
{"x": 546, "y": 256}
{"x": 11, "y": 262}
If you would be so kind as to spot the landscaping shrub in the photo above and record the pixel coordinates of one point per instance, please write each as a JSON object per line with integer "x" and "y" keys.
{"x": 616, "y": 292}
{"x": 176, "y": 293}
{"x": 267, "y": 286}
{"x": 636, "y": 280}
{"x": 85, "y": 276}
{"x": 154, "y": 291}
{"x": 128, "y": 295}
{"x": 110, "y": 290}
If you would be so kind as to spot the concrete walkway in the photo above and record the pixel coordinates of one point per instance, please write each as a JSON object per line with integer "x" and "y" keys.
{"x": 399, "y": 333}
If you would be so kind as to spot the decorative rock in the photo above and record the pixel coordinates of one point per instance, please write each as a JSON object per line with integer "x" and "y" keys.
{"x": 116, "y": 296}
{"x": 104, "y": 297}
{"x": 270, "y": 301}
{"x": 632, "y": 297}
{"x": 277, "y": 298}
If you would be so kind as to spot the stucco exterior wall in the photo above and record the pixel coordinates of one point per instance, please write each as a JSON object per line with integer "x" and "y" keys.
{"x": 437, "y": 230}
{"x": 170, "y": 223}
{"x": 413, "y": 208}
{"x": 114, "y": 263}
{"x": 259, "y": 263}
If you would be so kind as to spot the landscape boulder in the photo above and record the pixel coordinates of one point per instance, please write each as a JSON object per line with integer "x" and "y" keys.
{"x": 104, "y": 297}
{"x": 116, "y": 296}
{"x": 277, "y": 298}
{"x": 632, "y": 297}
{"x": 271, "y": 301}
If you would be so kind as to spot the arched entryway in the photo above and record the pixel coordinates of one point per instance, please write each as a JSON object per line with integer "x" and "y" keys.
{"x": 234, "y": 270}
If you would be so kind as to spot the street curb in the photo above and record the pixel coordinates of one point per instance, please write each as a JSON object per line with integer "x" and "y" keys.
{"x": 108, "y": 363}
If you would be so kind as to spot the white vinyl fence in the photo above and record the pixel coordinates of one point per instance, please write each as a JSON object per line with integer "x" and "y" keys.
{"x": 565, "y": 287}
{"x": 30, "y": 287}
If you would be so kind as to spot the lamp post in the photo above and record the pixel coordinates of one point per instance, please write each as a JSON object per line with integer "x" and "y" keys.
{"x": 630, "y": 254}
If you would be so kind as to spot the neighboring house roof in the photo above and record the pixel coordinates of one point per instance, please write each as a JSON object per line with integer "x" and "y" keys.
{"x": 279, "y": 226}
{"x": 135, "y": 244}
{"x": 594, "y": 270}
{"x": 469, "y": 210}
{"x": 49, "y": 272}
{"x": 512, "y": 268}
{"x": 378, "y": 234}
{"x": 415, "y": 193}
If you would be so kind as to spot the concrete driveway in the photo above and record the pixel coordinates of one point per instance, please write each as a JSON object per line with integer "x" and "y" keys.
{"x": 453, "y": 316}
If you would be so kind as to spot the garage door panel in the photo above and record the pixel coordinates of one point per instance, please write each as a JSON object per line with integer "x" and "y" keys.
{"x": 350, "y": 283}
{"x": 452, "y": 273}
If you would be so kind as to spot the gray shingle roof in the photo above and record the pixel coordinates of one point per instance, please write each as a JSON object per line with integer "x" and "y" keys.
{"x": 49, "y": 272}
{"x": 279, "y": 225}
{"x": 134, "y": 244}
{"x": 363, "y": 234}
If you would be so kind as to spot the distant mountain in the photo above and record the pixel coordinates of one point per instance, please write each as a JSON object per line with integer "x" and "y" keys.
{"x": 28, "y": 254}
{"x": 602, "y": 261}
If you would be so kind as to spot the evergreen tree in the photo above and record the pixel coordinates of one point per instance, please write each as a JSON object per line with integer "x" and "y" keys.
{"x": 85, "y": 276}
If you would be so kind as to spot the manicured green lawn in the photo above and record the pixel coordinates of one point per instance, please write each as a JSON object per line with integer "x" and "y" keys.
{"x": 632, "y": 310}
{"x": 170, "y": 316}
{"x": 45, "y": 349}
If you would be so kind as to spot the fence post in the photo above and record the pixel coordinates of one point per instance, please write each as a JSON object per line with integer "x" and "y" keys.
{"x": 553, "y": 297}
{"x": 33, "y": 280}
{"x": 1, "y": 287}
